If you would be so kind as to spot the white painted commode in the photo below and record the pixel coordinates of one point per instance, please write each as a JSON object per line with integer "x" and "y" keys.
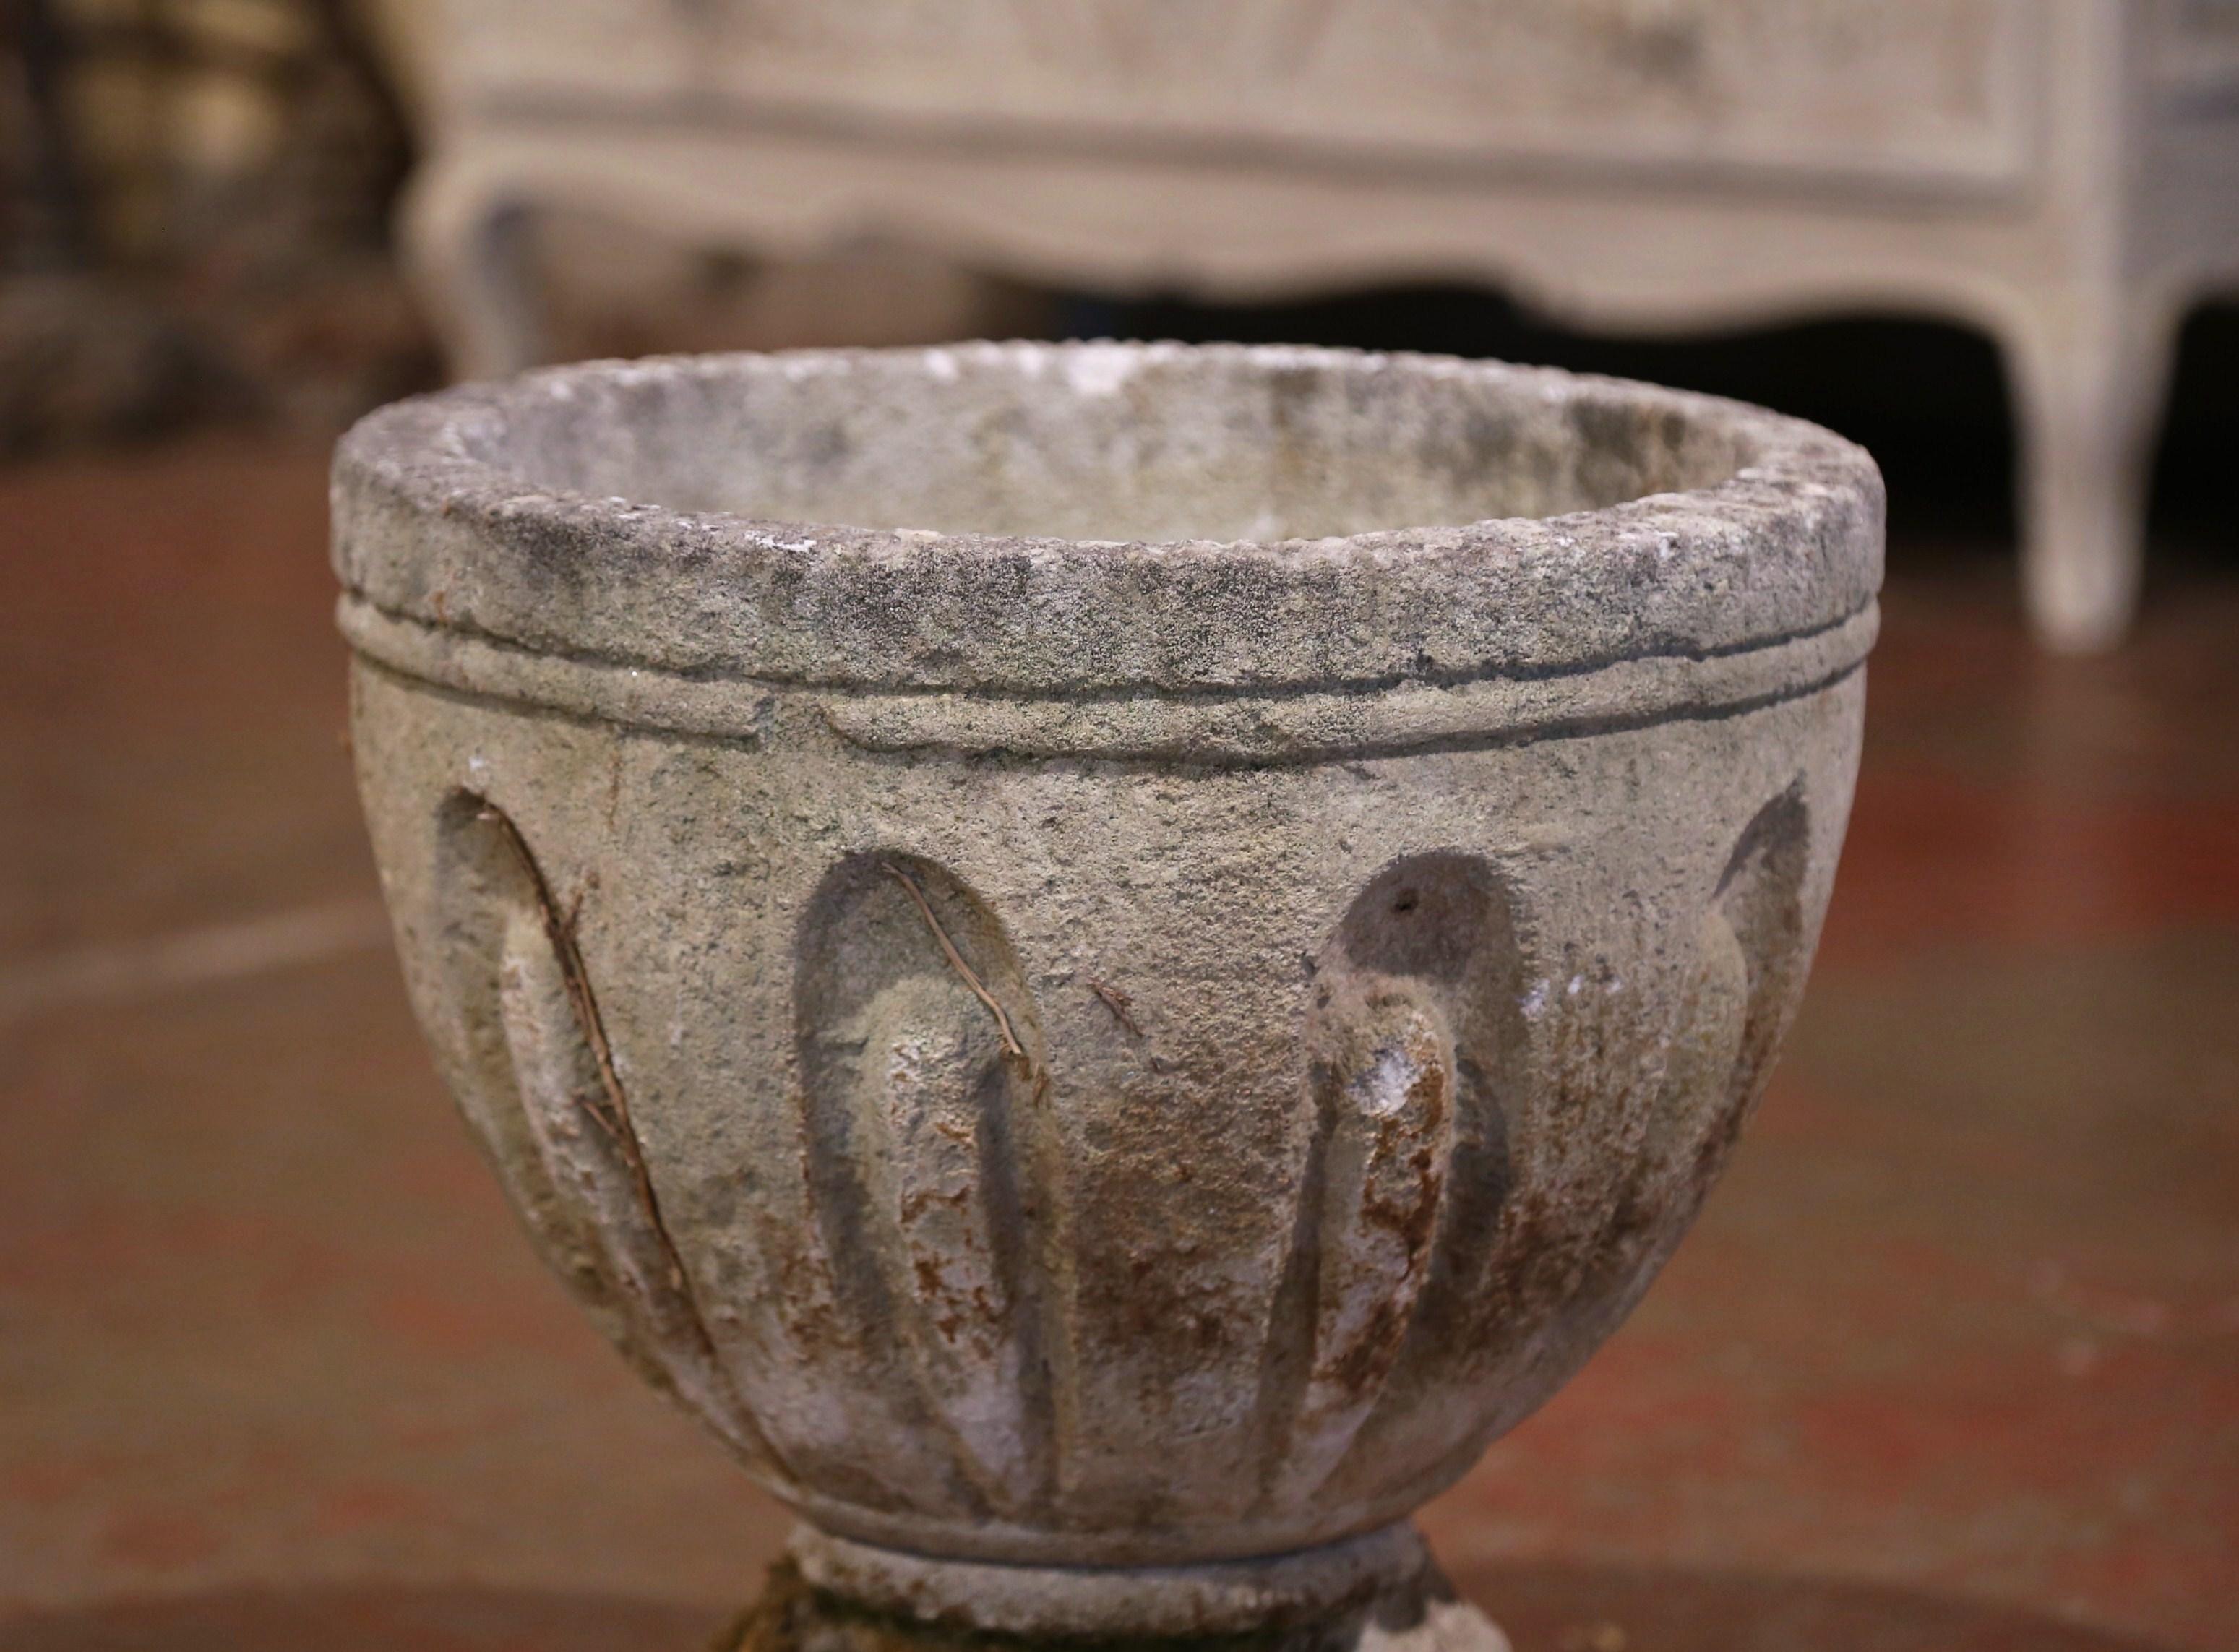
{"x": 2064, "y": 173}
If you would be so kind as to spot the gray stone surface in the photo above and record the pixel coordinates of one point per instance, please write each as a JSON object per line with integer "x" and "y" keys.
{"x": 1104, "y": 956}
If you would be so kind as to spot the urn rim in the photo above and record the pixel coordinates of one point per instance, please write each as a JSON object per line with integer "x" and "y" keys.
{"x": 434, "y": 529}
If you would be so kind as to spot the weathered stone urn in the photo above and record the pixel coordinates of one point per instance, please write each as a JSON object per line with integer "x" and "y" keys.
{"x": 1107, "y": 959}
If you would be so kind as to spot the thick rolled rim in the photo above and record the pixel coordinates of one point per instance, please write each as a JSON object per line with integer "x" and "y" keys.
{"x": 431, "y": 536}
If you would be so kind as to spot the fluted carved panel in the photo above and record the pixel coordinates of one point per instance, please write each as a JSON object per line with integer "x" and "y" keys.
{"x": 1745, "y": 974}
{"x": 1409, "y": 1152}
{"x": 543, "y": 1094}
{"x": 938, "y": 1194}
{"x": 925, "y": 1084}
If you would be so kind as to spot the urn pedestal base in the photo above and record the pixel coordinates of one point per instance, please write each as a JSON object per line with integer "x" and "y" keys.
{"x": 1380, "y": 1592}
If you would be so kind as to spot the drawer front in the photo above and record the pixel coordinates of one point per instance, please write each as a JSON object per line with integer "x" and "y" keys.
{"x": 1900, "y": 89}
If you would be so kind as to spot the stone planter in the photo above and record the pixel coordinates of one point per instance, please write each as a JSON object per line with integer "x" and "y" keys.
{"x": 1111, "y": 1021}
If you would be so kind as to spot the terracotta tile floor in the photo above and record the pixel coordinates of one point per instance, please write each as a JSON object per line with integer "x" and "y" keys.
{"x": 1951, "y": 1362}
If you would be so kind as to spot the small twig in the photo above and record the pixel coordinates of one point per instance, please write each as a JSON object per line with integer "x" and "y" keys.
{"x": 1122, "y": 1006}
{"x": 613, "y": 1119}
{"x": 1011, "y": 1044}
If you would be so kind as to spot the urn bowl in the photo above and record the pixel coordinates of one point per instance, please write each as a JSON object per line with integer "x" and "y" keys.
{"x": 1103, "y": 956}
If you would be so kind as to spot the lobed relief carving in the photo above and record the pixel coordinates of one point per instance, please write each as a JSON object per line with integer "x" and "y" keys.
{"x": 1408, "y": 1162}
{"x": 542, "y": 1091}
{"x": 939, "y": 1190}
{"x": 1746, "y": 972}
{"x": 925, "y": 1088}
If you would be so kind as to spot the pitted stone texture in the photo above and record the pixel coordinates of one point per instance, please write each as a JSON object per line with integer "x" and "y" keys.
{"x": 1083, "y": 518}
{"x": 1159, "y": 1141}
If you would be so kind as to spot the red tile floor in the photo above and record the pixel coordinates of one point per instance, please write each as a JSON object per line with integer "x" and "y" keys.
{"x": 1951, "y": 1362}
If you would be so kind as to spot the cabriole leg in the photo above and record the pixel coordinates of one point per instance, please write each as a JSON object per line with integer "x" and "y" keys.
{"x": 2089, "y": 373}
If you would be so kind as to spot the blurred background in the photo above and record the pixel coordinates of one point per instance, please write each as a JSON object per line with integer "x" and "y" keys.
{"x": 1951, "y": 1361}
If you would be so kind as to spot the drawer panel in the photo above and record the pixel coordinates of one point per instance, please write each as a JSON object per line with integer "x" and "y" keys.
{"x": 1901, "y": 89}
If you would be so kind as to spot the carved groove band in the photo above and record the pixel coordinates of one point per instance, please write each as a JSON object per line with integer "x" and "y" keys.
{"x": 1292, "y": 725}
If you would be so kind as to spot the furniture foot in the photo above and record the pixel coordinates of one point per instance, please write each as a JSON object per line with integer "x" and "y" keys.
{"x": 2090, "y": 374}
{"x": 466, "y": 241}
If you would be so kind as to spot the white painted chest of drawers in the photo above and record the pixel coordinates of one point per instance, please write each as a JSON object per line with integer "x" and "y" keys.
{"x": 2061, "y": 173}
